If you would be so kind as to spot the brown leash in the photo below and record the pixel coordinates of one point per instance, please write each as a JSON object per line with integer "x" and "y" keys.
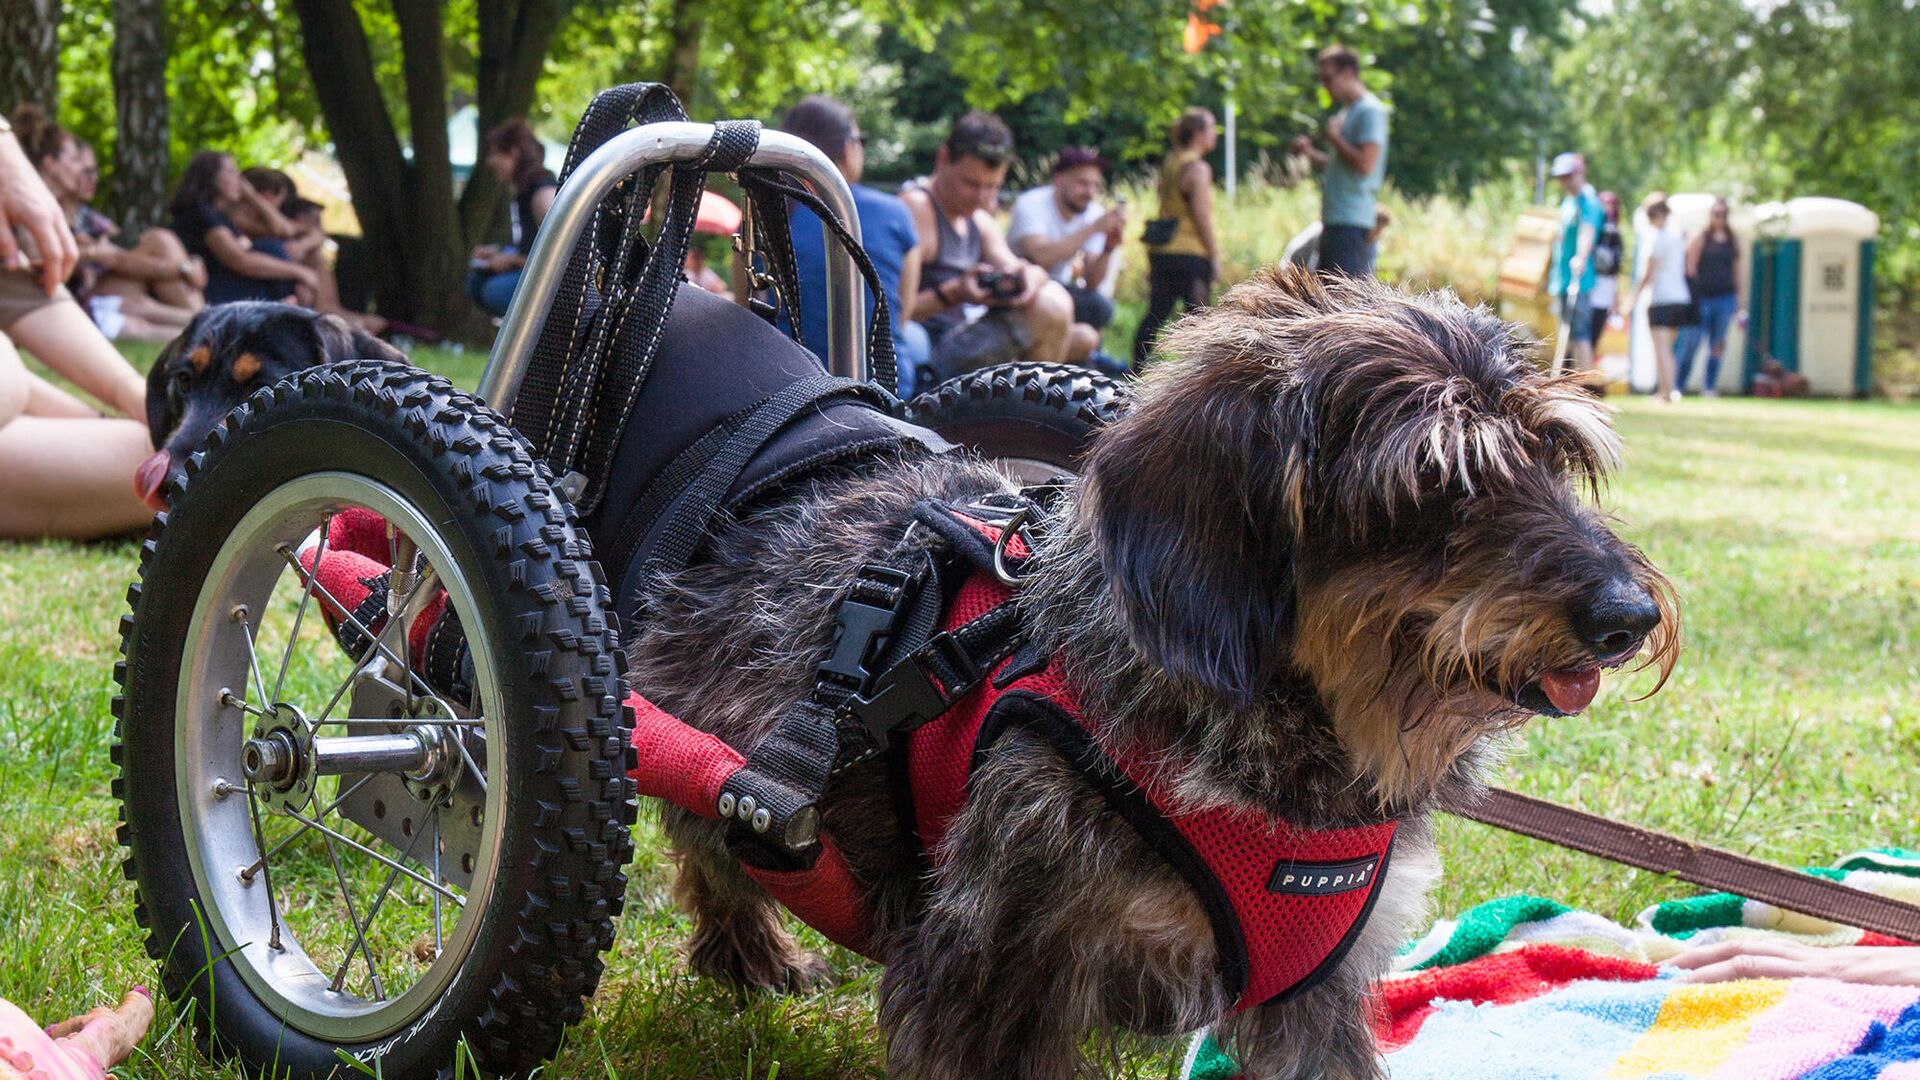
{"x": 1697, "y": 863}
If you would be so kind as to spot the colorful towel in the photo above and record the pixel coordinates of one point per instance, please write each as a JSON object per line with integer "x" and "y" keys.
{"x": 1525, "y": 988}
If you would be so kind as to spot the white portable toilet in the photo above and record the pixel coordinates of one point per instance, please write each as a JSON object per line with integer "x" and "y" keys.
{"x": 1689, "y": 213}
{"x": 1812, "y": 300}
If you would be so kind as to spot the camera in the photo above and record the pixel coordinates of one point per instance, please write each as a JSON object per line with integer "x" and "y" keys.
{"x": 1001, "y": 286}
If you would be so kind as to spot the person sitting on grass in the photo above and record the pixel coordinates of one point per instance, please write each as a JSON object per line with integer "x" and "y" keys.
{"x": 517, "y": 159}
{"x": 270, "y": 221}
{"x": 239, "y": 267}
{"x": 146, "y": 293}
{"x": 64, "y": 469}
{"x": 1063, "y": 227}
{"x": 965, "y": 261}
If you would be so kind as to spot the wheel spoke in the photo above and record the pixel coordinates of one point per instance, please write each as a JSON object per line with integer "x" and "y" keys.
{"x": 346, "y": 894}
{"x": 378, "y": 645}
{"x": 437, "y": 937}
{"x": 234, "y": 701}
{"x": 306, "y": 594}
{"x": 253, "y": 657}
{"x": 457, "y": 900}
{"x": 261, "y": 863}
{"x": 259, "y": 841}
{"x": 373, "y": 911}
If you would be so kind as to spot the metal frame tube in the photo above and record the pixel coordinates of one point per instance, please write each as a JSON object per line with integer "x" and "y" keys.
{"x": 622, "y": 156}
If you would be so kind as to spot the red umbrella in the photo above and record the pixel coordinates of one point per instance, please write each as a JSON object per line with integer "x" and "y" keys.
{"x": 718, "y": 215}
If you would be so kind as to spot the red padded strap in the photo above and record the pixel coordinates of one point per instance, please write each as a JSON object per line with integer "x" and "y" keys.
{"x": 678, "y": 763}
{"x": 825, "y": 896}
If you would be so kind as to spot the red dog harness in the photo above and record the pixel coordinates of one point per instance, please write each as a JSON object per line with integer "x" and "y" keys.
{"x": 1285, "y": 903}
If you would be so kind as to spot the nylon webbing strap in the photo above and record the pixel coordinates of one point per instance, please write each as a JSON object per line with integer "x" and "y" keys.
{"x": 1697, "y": 863}
{"x": 562, "y": 337}
{"x": 882, "y": 364}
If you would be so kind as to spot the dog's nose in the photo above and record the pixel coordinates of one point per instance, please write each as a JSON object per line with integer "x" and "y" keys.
{"x": 1616, "y": 619}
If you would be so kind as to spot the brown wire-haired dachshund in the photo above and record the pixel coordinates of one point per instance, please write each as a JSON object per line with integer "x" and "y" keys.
{"x": 1335, "y": 550}
{"x": 226, "y": 353}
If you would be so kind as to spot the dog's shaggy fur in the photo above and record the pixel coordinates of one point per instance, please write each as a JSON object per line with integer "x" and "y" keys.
{"x": 1318, "y": 569}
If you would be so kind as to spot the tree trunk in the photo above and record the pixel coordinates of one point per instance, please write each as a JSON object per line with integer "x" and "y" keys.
{"x": 340, "y": 63}
{"x": 436, "y": 257}
{"x": 683, "y": 59}
{"x": 140, "y": 171}
{"x": 29, "y": 54}
{"x": 514, "y": 38}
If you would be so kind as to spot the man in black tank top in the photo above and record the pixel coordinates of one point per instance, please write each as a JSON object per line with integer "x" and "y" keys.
{"x": 963, "y": 259}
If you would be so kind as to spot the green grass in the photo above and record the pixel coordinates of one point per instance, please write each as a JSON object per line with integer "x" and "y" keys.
{"x": 1789, "y": 730}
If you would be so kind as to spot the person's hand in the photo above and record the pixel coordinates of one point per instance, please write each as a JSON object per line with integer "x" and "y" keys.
{"x": 1032, "y": 279}
{"x": 104, "y": 1037}
{"x": 1740, "y": 317}
{"x": 503, "y": 261}
{"x": 1577, "y": 267}
{"x": 966, "y": 289}
{"x": 1301, "y": 144}
{"x": 1113, "y": 221}
{"x": 1219, "y": 268}
{"x": 1335, "y": 124}
{"x": 194, "y": 271}
{"x": 26, "y": 204}
{"x": 302, "y": 275}
{"x": 484, "y": 252}
{"x": 1766, "y": 958}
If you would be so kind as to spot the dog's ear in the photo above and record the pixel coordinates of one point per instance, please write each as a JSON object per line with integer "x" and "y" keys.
{"x": 160, "y": 416}
{"x": 1195, "y": 502}
{"x": 341, "y": 340}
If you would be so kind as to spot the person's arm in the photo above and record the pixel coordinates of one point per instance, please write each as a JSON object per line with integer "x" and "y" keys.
{"x": 926, "y": 303}
{"x": 1197, "y": 183}
{"x": 226, "y": 247}
{"x": 1694, "y": 247}
{"x": 542, "y": 202}
{"x": 1763, "y": 958}
{"x": 1036, "y": 248}
{"x": 1094, "y": 270}
{"x": 995, "y": 252}
{"x": 1303, "y": 145}
{"x": 132, "y": 263}
{"x": 1646, "y": 277}
{"x": 1360, "y": 157}
{"x": 268, "y": 216}
{"x": 26, "y": 204}
{"x": 1582, "y": 251}
{"x": 909, "y": 287}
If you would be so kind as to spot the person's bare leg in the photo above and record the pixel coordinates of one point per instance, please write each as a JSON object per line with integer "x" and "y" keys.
{"x": 1082, "y": 339}
{"x": 1582, "y": 355}
{"x": 165, "y": 248}
{"x": 61, "y": 475}
{"x": 62, "y": 337}
{"x": 135, "y": 303}
{"x": 46, "y": 399}
{"x": 1663, "y": 358}
{"x": 1049, "y": 319}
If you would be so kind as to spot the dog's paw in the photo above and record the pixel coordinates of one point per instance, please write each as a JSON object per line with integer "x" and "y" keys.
{"x": 759, "y": 961}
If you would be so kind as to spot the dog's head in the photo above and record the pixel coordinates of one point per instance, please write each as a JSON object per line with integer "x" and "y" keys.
{"x": 1380, "y": 494}
{"x": 224, "y": 354}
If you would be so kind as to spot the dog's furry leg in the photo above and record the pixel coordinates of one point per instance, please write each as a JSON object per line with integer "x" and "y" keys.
{"x": 738, "y": 936}
{"x": 1048, "y": 919}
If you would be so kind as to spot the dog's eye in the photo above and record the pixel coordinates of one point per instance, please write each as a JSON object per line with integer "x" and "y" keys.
{"x": 177, "y": 386}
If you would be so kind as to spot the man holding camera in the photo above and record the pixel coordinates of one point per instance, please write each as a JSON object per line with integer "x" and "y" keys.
{"x": 965, "y": 262}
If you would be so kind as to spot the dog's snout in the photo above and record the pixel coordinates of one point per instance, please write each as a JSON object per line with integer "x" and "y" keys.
{"x": 1616, "y": 619}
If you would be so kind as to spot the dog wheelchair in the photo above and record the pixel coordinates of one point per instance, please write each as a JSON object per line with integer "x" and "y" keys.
{"x": 412, "y": 849}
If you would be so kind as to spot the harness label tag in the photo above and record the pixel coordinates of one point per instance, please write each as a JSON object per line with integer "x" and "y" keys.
{"x": 1322, "y": 878}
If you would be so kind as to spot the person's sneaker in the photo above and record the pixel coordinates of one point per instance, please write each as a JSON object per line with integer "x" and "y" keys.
{"x": 1673, "y": 395}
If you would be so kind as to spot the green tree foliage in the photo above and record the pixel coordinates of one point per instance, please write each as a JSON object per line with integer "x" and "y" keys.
{"x": 1760, "y": 101}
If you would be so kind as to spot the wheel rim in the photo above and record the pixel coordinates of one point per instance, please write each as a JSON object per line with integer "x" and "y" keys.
{"x": 279, "y": 928}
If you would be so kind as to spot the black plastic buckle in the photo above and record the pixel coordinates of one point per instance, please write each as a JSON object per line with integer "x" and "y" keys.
{"x": 906, "y": 697}
{"x": 861, "y": 627}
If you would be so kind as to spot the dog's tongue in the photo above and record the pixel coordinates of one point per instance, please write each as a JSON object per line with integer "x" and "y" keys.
{"x": 150, "y": 477}
{"x": 1570, "y": 691}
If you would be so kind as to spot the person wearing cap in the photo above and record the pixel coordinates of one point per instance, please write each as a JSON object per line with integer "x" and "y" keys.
{"x": 1573, "y": 278}
{"x": 967, "y": 266}
{"x": 1354, "y": 163}
{"x": 1062, "y": 227}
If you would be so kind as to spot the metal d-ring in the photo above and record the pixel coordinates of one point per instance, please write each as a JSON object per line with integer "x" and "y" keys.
{"x": 1007, "y": 533}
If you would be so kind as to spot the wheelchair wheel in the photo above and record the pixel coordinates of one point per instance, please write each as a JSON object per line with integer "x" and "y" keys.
{"x": 1031, "y": 420}
{"x": 335, "y": 857}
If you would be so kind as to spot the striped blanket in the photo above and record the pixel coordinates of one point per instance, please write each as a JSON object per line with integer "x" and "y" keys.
{"x": 1523, "y": 988}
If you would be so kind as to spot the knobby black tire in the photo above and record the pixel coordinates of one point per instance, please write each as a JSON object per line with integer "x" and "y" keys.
{"x": 565, "y": 841}
{"x": 1038, "y": 412}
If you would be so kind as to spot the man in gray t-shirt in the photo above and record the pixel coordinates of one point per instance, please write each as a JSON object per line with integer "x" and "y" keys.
{"x": 1355, "y": 163}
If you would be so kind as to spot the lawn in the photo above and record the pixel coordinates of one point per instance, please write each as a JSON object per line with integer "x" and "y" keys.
{"x": 1789, "y": 731}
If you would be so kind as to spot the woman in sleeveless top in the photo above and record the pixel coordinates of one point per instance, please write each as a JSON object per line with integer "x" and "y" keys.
{"x": 1182, "y": 257}
{"x": 517, "y": 158}
{"x": 1713, "y": 262}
